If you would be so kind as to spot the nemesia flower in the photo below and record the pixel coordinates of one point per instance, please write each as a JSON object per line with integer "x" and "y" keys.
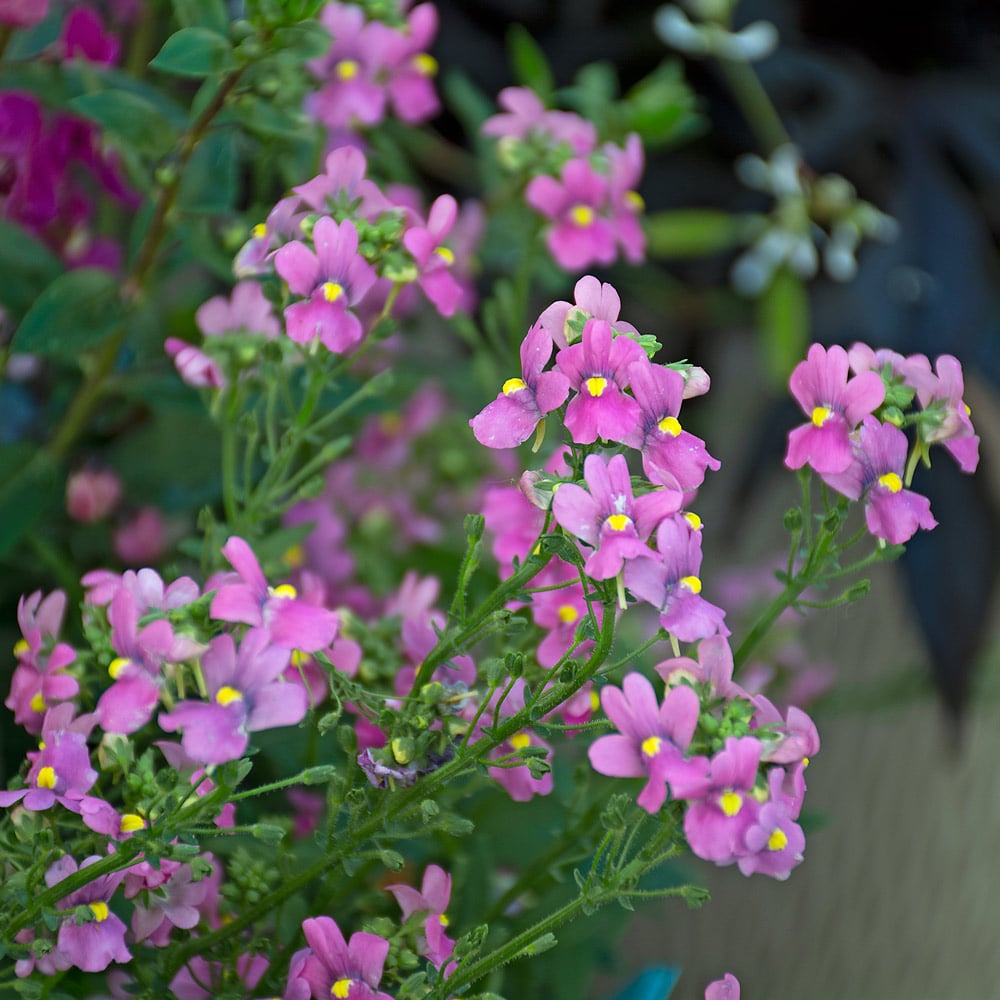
{"x": 292, "y": 623}
{"x": 579, "y": 235}
{"x": 834, "y": 404}
{"x": 670, "y": 454}
{"x": 201, "y": 979}
{"x": 593, "y": 299}
{"x": 346, "y": 970}
{"x": 92, "y": 494}
{"x": 171, "y": 901}
{"x": 793, "y": 738}
{"x": 608, "y": 518}
{"x": 598, "y": 369}
{"x": 945, "y": 389}
{"x": 651, "y": 737}
{"x": 514, "y": 522}
{"x": 23, "y": 13}
{"x": 83, "y": 37}
{"x": 727, "y": 988}
{"x": 343, "y": 184}
{"x": 282, "y": 224}
{"x": 334, "y": 278}
{"x": 671, "y": 583}
{"x": 714, "y": 667}
{"x": 409, "y": 68}
{"x": 516, "y": 780}
{"x": 247, "y": 694}
{"x": 433, "y": 259}
{"x": 94, "y": 945}
{"x": 39, "y": 679}
{"x": 559, "y": 612}
{"x": 432, "y": 899}
{"x": 876, "y": 473}
{"x": 773, "y": 842}
{"x": 526, "y": 117}
{"x": 514, "y": 415}
{"x": 625, "y": 165}
{"x": 142, "y": 538}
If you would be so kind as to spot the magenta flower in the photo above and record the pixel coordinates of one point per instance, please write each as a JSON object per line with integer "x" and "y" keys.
{"x": 876, "y": 473}
{"x": 954, "y": 429}
{"x": 671, "y": 583}
{"x": 579, "y": 235}
{"x": 597, "y": 368}
{"x": 292, "y": 623}
{"x": 525, "y": 117}
{"x": 39, "y": 679}
{"x": 670, "y": 454}
{"x": 201, "y": 979}
{"x": 23, "y": 13}
{"x": 337, "y": 968}
{"x": 560, "y": 612}
{"x": 593, "y": 299}
{"x": 343, "y": 182}
{"x": 83, "y": 37}
{"x": 514, "y": 522}
{"x": 625, "y": 165}
{"x": 94, "y": 945}
{"x": 92, "y": 494}
{"x": 713, "y": 667}
{"x": 517, "y": 780}
{"x": 248, "y": 694}
{"x": 724, "y": 809}
{"x": 727, "y": 988}
{"x": 334, "y": 278}
{"x": 834, "y": 405}
{"x": 433, "y": 259}
{"x": 651, "y": 737}
{"x": 60, "y": 768}
{"x": 608, "y": 518}
{"x": 773, "y": 842}
{"x": 409, "y": 69}
{"x": 282, "y": 223}
{"x": 432, "y": 900}
{"x": 513, "y": 416}
{"x": 172, "y": 901}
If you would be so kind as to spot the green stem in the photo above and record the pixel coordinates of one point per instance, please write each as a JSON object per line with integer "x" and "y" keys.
{"x": 757, "y": 107}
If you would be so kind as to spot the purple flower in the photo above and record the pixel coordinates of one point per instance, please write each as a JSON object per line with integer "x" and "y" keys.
{"x": 202, "y": 980}
{"x": 23, "y": 13}
{"x": 513, "y": 416}
{"x": 334, "y": 278}
{"x": 608, "y": 518}
{"x": 834, "y": 405}
{"x": 954, "y": 427}
{"x": 714, "y": 667}
{"x": 292, "y": 623}
{"x": 514, "y": 776}
{"x": 433, "y": 259}
{"x": 432, "y": 899}
{"x": 282, "y": 223}
{"x": 343, "y": 182}
{"x": 669, "y": 453}
{"x": 408, "y": 67}
{"x": 727, "y": 988}
{"x": 579, "y": 235}
{"x": 83, "y": 37}
{"x": 39, "y": 679}
{"x": 651, "y": 737}
{"x": 671, "y": 583}
{"x": 94, "y": 945}
{"x": 559, "y": 612}
{"x": 337, "y": 968}
{"x": 593, "y": 299}
{"x": 716, "y": 823}
{"x": 526, "y": 117}
{"x": 876, "y": 472}
{"x": 597, "y": 369}
{"x": 625, "y": 165}
{"x": 773, "y": 841}
{"x": 248, "y": 694}
{"x": 173, "y": 902}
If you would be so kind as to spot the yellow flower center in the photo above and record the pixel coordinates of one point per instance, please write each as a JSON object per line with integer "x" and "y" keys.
{"x": 670, "y": 425}
{"x": 259, "y": 231}
{"x": 567, "y": 614}
{"x": 635, "y": 201}
{"x": 132, "y": 822}
{"x": 651, "y": 745}
{"x": 581, "y": 215}
{"x": 692, "y": 583}
{"x": 820, "y": 415}
{"x": 295, "y": 556}
{"x": 100, "y": 911}
{"x": 299, "y": 659}
{"x": 596, "y": 385}
{"x": 21, "y": 647}
{"x": 284, "y": 590}
{"x": 693, "y": 519}
{"x": 347, "y": 69}
{"x": 38, "y": 703}
{"x": 332, "y": 291}
{"x": 730, "y": 802}
{"x": 425, "y": 64}
{"x": 445, "y": 254}
{"x": 341, "y": 988}
{"x": 443, "y": 920}
{"x": 891, "y": 482}
{"x": 595, "y": 701}
{"x": 778, "y": 841}
{"x": 116, "y": 666}
{"x": 226, "y": 695}
{"x": 520, "y": 740}
{"x": 513, "y": 385}
{"x": 618, "y": 522}
{"x": 47, "y": 778}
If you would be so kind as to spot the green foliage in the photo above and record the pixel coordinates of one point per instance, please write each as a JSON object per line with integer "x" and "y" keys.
{"x": 28, "y": 267}
{"x": 129, "y": 117}
{"x": 195, "y": 52}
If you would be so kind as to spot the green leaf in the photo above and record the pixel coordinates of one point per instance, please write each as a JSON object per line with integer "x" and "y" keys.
{"x": 27, "y": 267}
{"x": 694, "y": 232}
{"x": 209, "y": 14}
{"x": 75, "y": 313}
{"x": 263, "y": 118}
{"x": 528, "y": 62}
{"x": 209, "y": 181}
{"x": 30, "y": 487}
{"x": 307, "y": 40}
{"x": 195, "y": 52}
{"x": 783, "y": 322}
{"x": 132, "y": 118}
{"x": 661, "y": 107}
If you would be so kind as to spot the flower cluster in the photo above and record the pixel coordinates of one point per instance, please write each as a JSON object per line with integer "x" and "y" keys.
{"x": 585, "y": 191}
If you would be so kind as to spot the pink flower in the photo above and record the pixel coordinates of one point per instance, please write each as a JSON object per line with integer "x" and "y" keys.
{"x": 92, "y": 494}
{"x": 727, "y": 988}
{"x": 432, "y": 899}
{"x": 335, "y": 967}
{"x": 525, "y": 117}
{"x": 142, "y": 538}
{"x": 433, "y": 259}
{"x": 593, "y": 299}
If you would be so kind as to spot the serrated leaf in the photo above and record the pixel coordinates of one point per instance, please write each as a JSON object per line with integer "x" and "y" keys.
{"x": 75, "y": 313}
{"x": 209, "y": 14}
{"x": 27, "y": 267}
{"x": 528, "y": 62}
{"x": 783, "y": 321}
{"x": 195, "y": 52}
{"x": 130, "y": 117}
